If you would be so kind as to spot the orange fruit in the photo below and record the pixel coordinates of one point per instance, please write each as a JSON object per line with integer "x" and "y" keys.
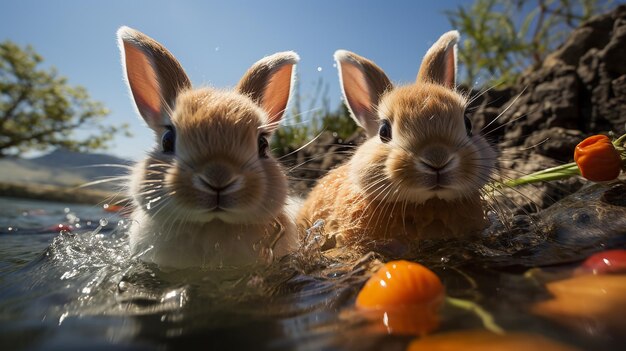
{"x": 597, "y": 158}
{"x": 400, "y": 283}
{"x": 403, "y": 298}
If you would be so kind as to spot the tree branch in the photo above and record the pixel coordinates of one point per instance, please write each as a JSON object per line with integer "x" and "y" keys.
{"x": 9, "y": 112}
{"x": 36, "y": 136}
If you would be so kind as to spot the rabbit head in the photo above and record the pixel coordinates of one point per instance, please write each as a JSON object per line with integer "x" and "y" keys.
{"x": 211, "y": 161}
{"x": 420, "y": 143}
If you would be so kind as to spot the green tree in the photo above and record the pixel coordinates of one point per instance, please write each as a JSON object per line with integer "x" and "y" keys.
{"x": 502, "y": 38}
{"x": 39, "y": 110}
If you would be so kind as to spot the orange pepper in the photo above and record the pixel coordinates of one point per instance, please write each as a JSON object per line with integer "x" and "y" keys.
{"x": 400, "y": 283}
{"x": 597, "y": 158}
{"x": 404, "y": 296}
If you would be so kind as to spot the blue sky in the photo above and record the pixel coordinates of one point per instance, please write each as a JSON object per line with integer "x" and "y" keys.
{"x": 216, "y": 41}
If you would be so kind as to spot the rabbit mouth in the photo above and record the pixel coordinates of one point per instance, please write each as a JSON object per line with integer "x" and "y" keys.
{"x": 217, "y": 204}
{"x": 437, "y": 181}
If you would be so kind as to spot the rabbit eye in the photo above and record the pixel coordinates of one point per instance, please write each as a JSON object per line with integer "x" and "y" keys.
{"x": 468, "y": 126}
{"x": 263, "y": 146}
{"x": 385, "y": 131}
{"x": 168, "y": 140}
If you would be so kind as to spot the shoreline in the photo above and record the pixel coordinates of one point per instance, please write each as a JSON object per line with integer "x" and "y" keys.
{"x": 46, "y": 192}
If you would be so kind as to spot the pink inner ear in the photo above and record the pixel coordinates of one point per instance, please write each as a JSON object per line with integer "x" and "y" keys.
{"x": 450, "y": 69}
{"x": 356, "y": 90}
{"x": 144, "y": 84}
{"x": 276, "y": 94}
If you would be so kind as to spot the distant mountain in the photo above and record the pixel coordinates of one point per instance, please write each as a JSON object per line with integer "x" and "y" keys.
{"x": 64, "y": 168}
{"x": 83, "y": 162}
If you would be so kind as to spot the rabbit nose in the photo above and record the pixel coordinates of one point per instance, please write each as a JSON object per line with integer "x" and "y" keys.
{"x": 435, "y": 158}
{"x": 431, "y": 165}
{"x": 218, "y": 177}
{"x": 215, "y": 185}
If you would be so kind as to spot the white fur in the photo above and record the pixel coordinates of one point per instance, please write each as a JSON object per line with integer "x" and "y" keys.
{"x": 213, "y": 244}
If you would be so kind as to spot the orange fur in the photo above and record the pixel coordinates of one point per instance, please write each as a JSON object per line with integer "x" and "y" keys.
{"x": 422, "y": 178}
{"x": 360, "y": 220}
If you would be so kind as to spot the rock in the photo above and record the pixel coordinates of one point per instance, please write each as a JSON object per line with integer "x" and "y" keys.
{"x": 580, "y": 86}
{"x": 592, "y": 34}
{"x": 615, "y": 49}
{"x": 557, "y": 143}
{"x": 310, "y": 163}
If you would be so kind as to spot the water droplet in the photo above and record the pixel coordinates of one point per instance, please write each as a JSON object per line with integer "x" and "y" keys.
{"x": 63, "y": 316}
{"x": 217, "y": 48}
{"x": 335, "y": 65}
{"x": 171, "y": 294}
{"x": 319, "y": 69}
{"x": 105, "y": 206}
{"x": 103, "y": 222}
{"x": 66, "y": 210}
{"x": 72, "y": 218}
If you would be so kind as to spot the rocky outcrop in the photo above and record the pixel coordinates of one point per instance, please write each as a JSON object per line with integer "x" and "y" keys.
{"x": 580, "y": 87}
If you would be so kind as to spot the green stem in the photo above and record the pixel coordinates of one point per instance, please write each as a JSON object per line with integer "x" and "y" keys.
{"x": 487, "y": 319}
{"x": 620, "y": 141}
{"x": 553, "y": 173}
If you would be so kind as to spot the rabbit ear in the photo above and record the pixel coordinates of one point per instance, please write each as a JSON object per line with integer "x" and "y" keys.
{"x": 439, "y": 64}
{"x": 362, "y": 84}
{"x": 269, "y": 82}
{"x": 154, "y": 76}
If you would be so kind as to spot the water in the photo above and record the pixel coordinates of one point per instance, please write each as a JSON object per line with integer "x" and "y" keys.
{"x": 82, "y": 289}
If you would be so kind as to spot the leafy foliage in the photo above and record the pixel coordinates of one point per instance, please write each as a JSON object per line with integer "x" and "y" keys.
{"x": 39, "y": 110}
{"x": 505, "y": 37}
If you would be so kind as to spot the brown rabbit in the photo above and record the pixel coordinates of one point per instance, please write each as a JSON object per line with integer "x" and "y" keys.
{"x": 209, "y": 194}
{"x": 420, "y": 172}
